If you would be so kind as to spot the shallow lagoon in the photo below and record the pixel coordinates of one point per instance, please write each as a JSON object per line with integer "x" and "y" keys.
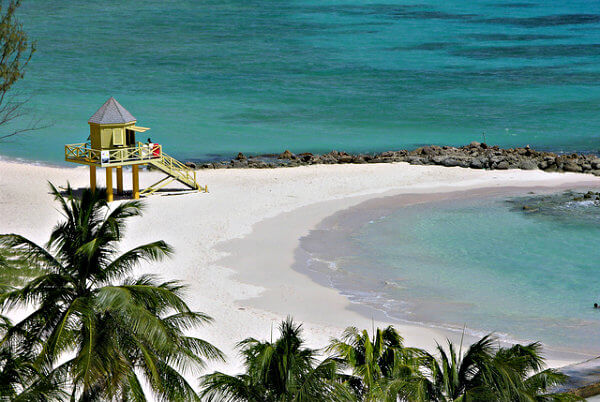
{"x": 483, "y": 263}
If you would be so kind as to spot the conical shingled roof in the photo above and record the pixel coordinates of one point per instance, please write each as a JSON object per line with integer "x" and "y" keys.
{"x": 112, "y": 113}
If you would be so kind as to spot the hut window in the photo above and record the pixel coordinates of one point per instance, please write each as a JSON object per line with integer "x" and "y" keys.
{"x": 130, "y": 137}
{"x": 118, "y": 136}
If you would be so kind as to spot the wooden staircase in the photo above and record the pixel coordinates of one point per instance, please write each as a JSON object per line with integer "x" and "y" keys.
{"x": 175, "y": 170}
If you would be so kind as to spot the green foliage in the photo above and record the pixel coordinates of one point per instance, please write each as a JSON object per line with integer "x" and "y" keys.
{"x": 486, "y": 372}
{"x": 16, "y": 49}
{"x": 15, "y": 53}
{"x": 21, "y": 378}
{"x": 382, "y": 368}
{"x": 108, "y": 332}
{"x": 282, "y": 371}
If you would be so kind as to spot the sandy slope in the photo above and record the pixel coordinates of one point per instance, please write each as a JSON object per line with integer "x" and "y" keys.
{"x": 202, "y": 226}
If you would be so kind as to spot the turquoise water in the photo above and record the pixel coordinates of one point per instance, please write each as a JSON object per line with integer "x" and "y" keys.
{"x": 216, "y": 77}
{"x": 482, "y": 263}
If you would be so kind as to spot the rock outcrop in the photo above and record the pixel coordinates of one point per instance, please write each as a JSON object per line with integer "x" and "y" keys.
{"x": 475, "y": 156}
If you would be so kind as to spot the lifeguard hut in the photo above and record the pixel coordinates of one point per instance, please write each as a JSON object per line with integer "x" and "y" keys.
{"x": 113, "y": 145}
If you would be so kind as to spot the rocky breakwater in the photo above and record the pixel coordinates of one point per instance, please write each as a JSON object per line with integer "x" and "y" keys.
{"x": 475, "y": 156}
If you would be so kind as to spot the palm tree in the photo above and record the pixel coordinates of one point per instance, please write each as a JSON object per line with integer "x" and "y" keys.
{"x": 281, "y": 371}
{"x": 22, "y": 379}
{"x": 382, "y": 368}
{"x": 485, "y": 373}
{"x": 110, "y": 333}
{"x": 527, "y": 364}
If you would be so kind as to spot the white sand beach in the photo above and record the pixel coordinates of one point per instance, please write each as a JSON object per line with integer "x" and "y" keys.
{"x": 234, "y": 246}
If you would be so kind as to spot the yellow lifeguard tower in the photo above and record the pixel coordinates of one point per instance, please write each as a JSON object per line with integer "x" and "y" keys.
{"x": 112, "y": 144}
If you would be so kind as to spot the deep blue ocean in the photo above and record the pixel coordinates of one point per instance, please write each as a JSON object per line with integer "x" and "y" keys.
{"x": 212, "y": 78}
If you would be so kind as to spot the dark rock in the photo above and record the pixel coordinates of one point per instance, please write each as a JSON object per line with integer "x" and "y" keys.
{"x": 496, "y": 159}
{"x": 476, "y": 164}
{"x": 359, "y": 159}
{"x": 475, "y": 155}
{"x": 572, "y": 167}
{"x": 414, "y": 160}
{"x": 239, "y": 163}
{"x": 286, "y": 155}
{"x": 328, "y": 159}
{"x": 528, "y": 164}
{"x": 191, "y": 165}
{"x": 305, "y": 157}
{"x": 430, "y": 150}
{"x": 449, "y": 162}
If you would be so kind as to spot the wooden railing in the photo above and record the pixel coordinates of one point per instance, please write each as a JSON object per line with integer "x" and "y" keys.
{"x": 81, "y": 152}
{"x": 84, "y": 153}
{"x": 142, "y": 153}
{"x": 176, "y": 169}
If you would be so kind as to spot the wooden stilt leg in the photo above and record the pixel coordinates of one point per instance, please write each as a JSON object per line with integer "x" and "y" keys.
{"x": 135, "y": 173}
{"x": 93, "y": 178}
{"x": 109, "y": 189}
{"x": 119, "y": 180}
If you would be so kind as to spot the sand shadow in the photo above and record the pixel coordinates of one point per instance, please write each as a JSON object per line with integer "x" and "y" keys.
{"x": 127, "y": 194}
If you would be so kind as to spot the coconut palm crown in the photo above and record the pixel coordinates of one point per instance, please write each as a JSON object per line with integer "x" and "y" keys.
{"x": 279, "y": 371}
{"x": 107, "y": 331}
{"x": 486, "y": 372}
{"x": 383, "y": 369}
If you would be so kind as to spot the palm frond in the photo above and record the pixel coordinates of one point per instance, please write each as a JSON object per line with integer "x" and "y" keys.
{"x": 115, "y": 331}
{"x": 123, "y": 264}
{"x": 225, "y": 388}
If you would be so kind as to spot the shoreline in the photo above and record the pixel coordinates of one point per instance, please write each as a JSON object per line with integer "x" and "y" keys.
{"x": 200, "y": 227}
{"x": 338, "y": 227}
{"x": 290, "y": 253}
{"x": 290, "y": 244}
{"x": 476, "y": 155}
